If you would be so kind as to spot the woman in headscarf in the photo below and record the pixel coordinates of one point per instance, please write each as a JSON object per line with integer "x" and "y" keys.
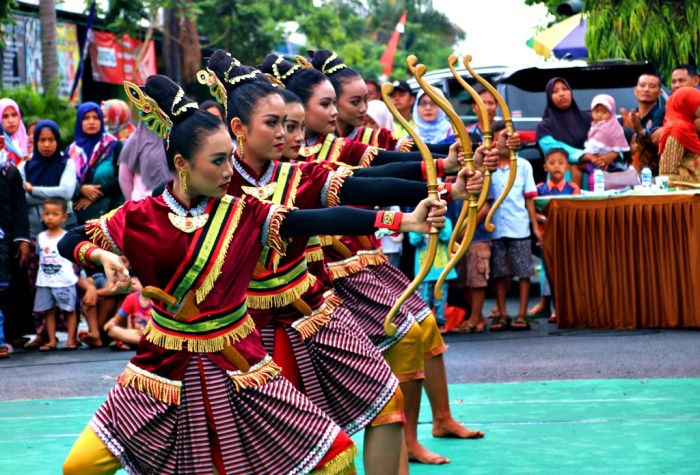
{"x": 16, "y": 140}
{"x": 565, "y": 126}
{"x": 95, "y": 154}
{"x": 679, "y": 146}
{"x": 117, "y": 116}
{"x": 431, "y": 122}
{"x": 142, "y": 164}
{"x": 48, "y": 174}
{"x": 378, "y": 116}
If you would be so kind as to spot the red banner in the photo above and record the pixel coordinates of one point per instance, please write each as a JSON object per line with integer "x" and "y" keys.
{"x": 113, "y": 59}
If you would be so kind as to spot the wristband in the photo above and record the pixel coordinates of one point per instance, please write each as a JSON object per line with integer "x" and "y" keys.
{"x": 445, "y": 191}
{"x": 389, "y": 221}
{"x": 83, "y": 252}
{"x": 439, "y": 166}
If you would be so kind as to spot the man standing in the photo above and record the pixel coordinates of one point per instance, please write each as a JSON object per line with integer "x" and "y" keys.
{"x": 403, "y": 100}
{"x": 684, "y": 75}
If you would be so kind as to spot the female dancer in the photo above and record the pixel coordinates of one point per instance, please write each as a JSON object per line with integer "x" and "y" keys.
{"x": 365, "y": 288}
{"x": 339, "y": 369}
{"x": 201, "y": 394}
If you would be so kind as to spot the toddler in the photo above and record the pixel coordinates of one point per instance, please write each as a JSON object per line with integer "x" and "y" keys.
{"x": 136, "y": 310}
{"x": 605, "y": 135}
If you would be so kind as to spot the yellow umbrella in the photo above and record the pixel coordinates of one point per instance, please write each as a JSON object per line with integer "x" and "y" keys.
{"x": 573, "y": 28}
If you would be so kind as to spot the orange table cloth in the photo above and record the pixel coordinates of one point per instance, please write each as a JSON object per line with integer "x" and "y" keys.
{"x": 625, "y": 262}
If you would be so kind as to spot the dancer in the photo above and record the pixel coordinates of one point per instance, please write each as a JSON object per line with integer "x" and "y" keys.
{"x": 201, "y": 394}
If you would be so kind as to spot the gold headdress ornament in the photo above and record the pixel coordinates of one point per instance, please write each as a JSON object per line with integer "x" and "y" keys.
{"x": 276, "y": 71}
{"x": 333, "y": 69}
{"x": 303, "y": 62}
{"x": 207, "y": 77}
{"x": 275, "y": 82}
{"x": 156, "y": 120}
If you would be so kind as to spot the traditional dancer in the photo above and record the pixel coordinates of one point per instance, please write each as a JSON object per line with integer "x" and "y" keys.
{"x": 202, "y": 395}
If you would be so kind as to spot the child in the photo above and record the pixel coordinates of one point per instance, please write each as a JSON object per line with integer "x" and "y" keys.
{"x": 56, "y": 278}
{"x": 511, "y": 254}
{"x": 427, "y": 288}
{"x": 556, "y": 164}
{"x": 136, "y": 309}
{"x": 605, "y": 135}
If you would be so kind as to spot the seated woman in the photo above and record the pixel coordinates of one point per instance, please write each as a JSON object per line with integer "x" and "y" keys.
{"x": 565, "y": 126}
{"x": 679, "y": 146}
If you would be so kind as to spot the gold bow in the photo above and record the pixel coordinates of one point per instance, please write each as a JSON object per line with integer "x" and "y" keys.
{"x": 431, "y": 172}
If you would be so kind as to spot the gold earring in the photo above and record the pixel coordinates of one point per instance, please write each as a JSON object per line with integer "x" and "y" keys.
{"x": 240, "y": 139}
{"x": 183, "y": 176}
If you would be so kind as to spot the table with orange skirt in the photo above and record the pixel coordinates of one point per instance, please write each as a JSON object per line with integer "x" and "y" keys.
{"x": 624, "y": 261}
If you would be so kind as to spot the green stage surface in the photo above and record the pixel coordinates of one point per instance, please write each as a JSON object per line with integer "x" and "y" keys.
{"x": 553, "y": 427}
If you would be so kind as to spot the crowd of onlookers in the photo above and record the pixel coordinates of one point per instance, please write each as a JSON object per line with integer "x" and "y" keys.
{"x": 47, "y": 186}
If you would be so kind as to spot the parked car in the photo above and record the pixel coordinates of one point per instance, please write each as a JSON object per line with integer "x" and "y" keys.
{"x": 524, "y": 91}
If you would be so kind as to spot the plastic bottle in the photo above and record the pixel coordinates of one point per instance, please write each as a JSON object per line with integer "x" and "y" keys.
{"x": 646, "y": 178}
{"x": 598, "y": 180}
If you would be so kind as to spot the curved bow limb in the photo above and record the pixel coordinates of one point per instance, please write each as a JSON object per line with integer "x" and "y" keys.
{"x": 508, "y": 119}
{"x": 485, "y": 125}
{"x": 431, "y": 172}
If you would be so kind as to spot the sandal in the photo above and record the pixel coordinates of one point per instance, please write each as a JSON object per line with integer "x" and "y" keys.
{"x": 500, "y": 323}
{"x": 35, "y": 344}
{"x": 4, "y": 352}
{"x": 552, "y": 318}
{"x": 521, "y": 323}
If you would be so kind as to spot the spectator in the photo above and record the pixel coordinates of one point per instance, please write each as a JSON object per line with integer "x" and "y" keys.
{"x": 14, "y": 244}
{"x": 30, "y": 134}
{"x": 556, "y": 163}
{"x": 378, "y": 116}
{"x": 374, "y": 90}
{"x": 432, "y": 124}
{"x": 136, "y": 312}
{"x": 215, "y": 108}
{"x": 56, "y": 280}
{"x": 646, "y": 122}
{"x": 684, "y": 75}
{"x": 403, "y": 100}
{"x": 48, "y": 174}
{"x": 142, "y": 164}
{"x": 511, "y": 252}
{"x": 564, "y": 126}
{"x": 605, "y": 136}
{"x": 117, "y": 119}
{"x": 679, "y": 146}
{"x": 474, "y": 130}
{"x": 16, "y": 139}
{"x": 95, "y": 154}
{"x": 427, "y": 288}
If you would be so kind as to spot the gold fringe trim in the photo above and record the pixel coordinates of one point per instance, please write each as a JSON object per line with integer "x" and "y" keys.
{"x": 200, "y": 345}
{"x": 294, "y": 186}
{"x": 368, "y": 157}
{"x": 406, "y": 145}
{"x": 258, "y": 374}
{"x": 372, "y": 258}
{"x": 336, "y": 148}
{"x": 274, "y": 240}
{"x": 326, "y": 240}
{"x": 309, "y": 325}
{"x": 332, "y": 195}
{"x": 281, "y": 299}
{"x": 315, "y": 255}
{"x": 158, "y": 387}
{"x": 345, "y": 268}
{"x": 208, "y": 283}
{"x": 341, "y": 464}
{"x": 96, "y": 233}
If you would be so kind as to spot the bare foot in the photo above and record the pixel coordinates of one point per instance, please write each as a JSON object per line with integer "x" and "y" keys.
{"x": 453, "y": 429}
{"x": 90, "y": 340}
{"x": 418, "y": 453}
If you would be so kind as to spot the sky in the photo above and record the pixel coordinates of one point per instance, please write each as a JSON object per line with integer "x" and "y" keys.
{"x": 496, "y": 29}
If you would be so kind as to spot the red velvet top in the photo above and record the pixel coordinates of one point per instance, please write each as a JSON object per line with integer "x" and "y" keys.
{"x": 382, "y": 138}
{"x": 335, "y": 149}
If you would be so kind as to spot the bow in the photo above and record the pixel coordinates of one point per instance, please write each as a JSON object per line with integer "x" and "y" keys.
{"x": 508, "y": 119}
{"x": 431, "y": 172}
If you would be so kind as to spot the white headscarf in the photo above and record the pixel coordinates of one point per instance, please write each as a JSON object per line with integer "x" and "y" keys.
{"x": 379, "y": 113}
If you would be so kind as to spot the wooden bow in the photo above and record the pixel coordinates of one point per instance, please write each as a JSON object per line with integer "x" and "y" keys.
{"x": 508, "y": 119}
{"x": 485, "y": 125}
{"x": 472, "y": 200}
{"x": 431, "y": 172}
{"x": 189, "y": 309}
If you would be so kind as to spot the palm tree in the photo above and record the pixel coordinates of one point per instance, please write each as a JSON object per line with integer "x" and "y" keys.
{"x": 47, "y": 19}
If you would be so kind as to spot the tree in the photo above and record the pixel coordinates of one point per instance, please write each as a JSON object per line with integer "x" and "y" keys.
{"x": 49, "y": 55}
{"x": 662, "y": 31}
{"x": 5, "y": 12}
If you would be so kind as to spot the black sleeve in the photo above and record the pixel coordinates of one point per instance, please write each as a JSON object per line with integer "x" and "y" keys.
{"x": 384, "y": 157}
{"x": 442, "y": 148}
{"x": 382, "y": 191}
{"x": 20, "y": 215}
{"x": 70, "y": 240}
{"x": 334, "y": 221}
{"x": 405, "y": 170}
